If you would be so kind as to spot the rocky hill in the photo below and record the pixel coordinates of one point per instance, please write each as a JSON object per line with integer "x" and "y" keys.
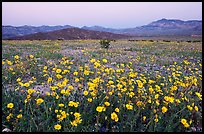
{"x": 161, "y": 27}
{"x": 11, "y": 31}
{"x": 71, "y": 34}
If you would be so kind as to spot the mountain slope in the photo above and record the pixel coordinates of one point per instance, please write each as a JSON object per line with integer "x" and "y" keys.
{"x": 159, "y": 28}
{"x": 163, "y": 27}
{"x": 99, "y": 28}
{"x": 71, "y": 34}
{"x": 11, "y": 31}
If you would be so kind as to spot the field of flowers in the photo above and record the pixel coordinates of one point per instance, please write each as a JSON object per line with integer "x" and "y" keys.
{"x": 76, "y": 86}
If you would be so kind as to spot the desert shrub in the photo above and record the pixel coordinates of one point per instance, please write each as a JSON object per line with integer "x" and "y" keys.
{"x": 166, "y": 41}
{"x": 105, "y": 43}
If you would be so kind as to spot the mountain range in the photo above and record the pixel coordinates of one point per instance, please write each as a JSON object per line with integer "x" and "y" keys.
{"x": 11, "y": 31}
{"x": 163, "y": 27}
{"x": 71, "y": 34}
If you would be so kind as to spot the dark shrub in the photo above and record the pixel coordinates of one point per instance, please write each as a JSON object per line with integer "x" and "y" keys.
{"x": 105, "y": 43}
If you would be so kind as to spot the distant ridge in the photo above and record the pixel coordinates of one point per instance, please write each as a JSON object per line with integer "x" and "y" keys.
{"x": 162, "y": 27}
{"x": 71, "y": 34}
{"x": 11, "y": 31}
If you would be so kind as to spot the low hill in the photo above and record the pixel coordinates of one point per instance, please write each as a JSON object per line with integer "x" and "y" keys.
{"x": 12, "y": 31}
{"x": 71, "y": 34}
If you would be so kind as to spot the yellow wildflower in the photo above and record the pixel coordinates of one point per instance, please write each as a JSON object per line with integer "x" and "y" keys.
{"x": 8, "y": 118}
{"x": 73, "y": 123}
{"x": 19, "y": 116}
{"x": 140, "y": 85}
{"x": 93, "y": 60}
{"x": 100, "y": 109}
{"x": 75, "y": 73}
{"x": 89, "y": 99}
{"x": 70, "y": 87}
{"x": 57, "y": 97}
{"x": 156, "y": 96}
{"x": 107, "y": 103}
{"x": 16, "y": 57}
{"x": 76, "y": 79}
{"x": 164, "y": 109}
{"x": 199, "y": 95}
{"x": 26, "y": 84}
{"x": 139, "y": 103}
{"x": 59, "y": 76}
{"x": 129, "y": 107}
{"x": 86, "y": 93}
{"x": 144, "y": 118}
{"x": 171, "y": 99}
{"x": 76, "y": 104}
{"x": 63, "y": 91}
{"x": 57, "y": 127}
{"x": 9, "y": 62}
{"x": 189, "y": 107}
{"x": 71, "y": 103}
{"x": 31, "y": 56}
{"x": 77, "y": 115}
{"x": 117, "y": 110}
{"x": 186, "y": 125}
{"x": 61, "y": 105}
{"x": 196, "y": 108}
{"x": 104, "y": 60}
{"x": 183, "y": 121}
{"x": 39, "y": 101}
{"x": 58, "y": 71}
{"x": 114, "y": 117}
{"x": 49, "y": 79}
{"x": 10, "y": 105}
{"x": 156, "y": 120}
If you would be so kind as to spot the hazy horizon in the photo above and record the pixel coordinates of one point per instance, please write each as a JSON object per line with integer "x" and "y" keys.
{"x": 105, "y": 14}
{"x": 91, "y": 25}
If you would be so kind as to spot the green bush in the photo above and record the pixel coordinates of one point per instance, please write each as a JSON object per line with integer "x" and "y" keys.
{"x": 105, "y": 43}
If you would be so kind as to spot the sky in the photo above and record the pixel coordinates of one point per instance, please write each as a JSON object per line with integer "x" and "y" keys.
{"x": 106, "y": 14}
